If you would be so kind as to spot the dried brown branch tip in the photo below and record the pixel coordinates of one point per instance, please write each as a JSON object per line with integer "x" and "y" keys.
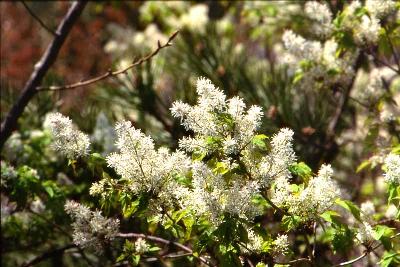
{"x": 110, "y": 72}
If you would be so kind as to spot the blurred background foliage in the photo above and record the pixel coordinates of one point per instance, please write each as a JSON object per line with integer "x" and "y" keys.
{"x": 235, "y": 44}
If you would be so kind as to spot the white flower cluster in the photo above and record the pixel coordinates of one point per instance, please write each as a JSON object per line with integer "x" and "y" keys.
{"x": 275, "y": 165}
{"x": 91, "y": 229}
{"x": 68, "y": 140}
{"x": 322, "y": 17}
{"x": 214, "y": 117}
{"x": 310, "y": 202}
{"x": 141, "y": 246}
{"x": 255, "y": 243}
{"x": 8, "y": 173}
{"x": 365, "y": 233}
{"x": 213, "y": 197}
{"x": 316, "y": 61}
{"x": 380, "y": 8}
{"x": 367, "y": 211}
{"x": 367, "y": 30}
{"x": 375, "y": 86}
{"x": 223, "y": 127}
{"x": 281, "y": 244}
{"x": 392, "y": 164}
{"x": 195, "y": 19}
{"x": 146, "y": 169}
{"x": 366, "y": 27}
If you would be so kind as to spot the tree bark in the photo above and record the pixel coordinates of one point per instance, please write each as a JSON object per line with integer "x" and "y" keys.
{"x": 40, "y": 70}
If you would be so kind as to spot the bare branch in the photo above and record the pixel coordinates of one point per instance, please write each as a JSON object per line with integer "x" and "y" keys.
{"x": 166, "y": 242}
{"x": 48, "y": 254}
{"x": 40, "y": 70}
{"x": 47, "y": 28}
{"x": 110, "y": 73}
{"x": 364, "y": 254}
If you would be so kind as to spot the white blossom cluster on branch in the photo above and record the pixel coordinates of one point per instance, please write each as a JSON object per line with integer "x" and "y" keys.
{"x": 91, "y": 229}
{"x": 311, "y": 201}
{"x": 68, "y": 140}
{"x": 146, "y": 169}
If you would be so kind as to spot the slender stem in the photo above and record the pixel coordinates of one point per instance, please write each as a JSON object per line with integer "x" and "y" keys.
{"x": 295, "y": 261}
{"x": 47, "y": 255}
{"x": 315, "y": 239}
{"x": 396, "y": 58}
{"x": 364, "y": 254}
{"x": 110, "y": 73}
{"x": 47, "y": 28}
{"x": 165, "y": 241}
{"x": 273, "y": 205}
{"x": 40, "y": 70}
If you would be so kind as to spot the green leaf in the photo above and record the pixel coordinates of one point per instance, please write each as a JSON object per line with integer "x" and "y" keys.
{"x": 342, "y": 240}
{"x": 258, "y": 141}
{"x": 332, "y": 217}
{"x": 350, "y": 206}
{"x": 301, "y": 169}
{"x": 198, "y": 156}
{"x": 363, "y": 165}
{"x": 220, "y": 168}
{"x": 49, "y": 190}
{"x": 394, "y": 192}
{"x": 290, "y": 222}
{"x": 382, "y": 231}
{"x": 390, "y": 259}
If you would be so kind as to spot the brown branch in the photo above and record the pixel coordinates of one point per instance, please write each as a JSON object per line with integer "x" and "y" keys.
{"x": 59, "y": 228}
{"x": 47, "y": 28}
{"x": 272, "y": 204}
{"x": 345, "y": 95}
{"x": 110, "y": 73}
{"x": 48, "y": 254}
{"x": 166, "y": 242}
{"x": 364, "y": 254}
{"x": 295, "y": 261}
{"x": 40, "y": 70}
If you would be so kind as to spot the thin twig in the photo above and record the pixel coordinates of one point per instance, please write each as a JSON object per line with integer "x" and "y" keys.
{"x": 46, "y": 61}
{"x": 165, "y": 241}
{"x": 30, "y": 11}
{"x": 396, "y": 58}
{"x": 110, "y": 73}
{"x": 83, "y": 254}
{"x": 315, "y": 239}
{"x": 47, "y": 255}
{"x": 294, "y": 261}
{"x": 364, "y": 254}
{"x": 273, "y": 205}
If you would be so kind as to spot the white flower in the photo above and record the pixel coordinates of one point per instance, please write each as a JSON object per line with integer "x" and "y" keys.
{"x": 37, "y": 205}
{"x": 255, "y": 243}
{"x": 196, "y": 19}
{"x": 212, "y": 197}
{"x": 392, "y": 212}
{"x": 145, "y": 169}
{"x": 300, "y": 47}
{"x": 365, "y": 233}
{"x": 91, "y": 229}
{"x": 308, "y": 203}
{"x": 281, "y": 157}
{"x": 281, "y": 244}
{"x": 367, "y": 210}
{"x": 392, "y": 165}
{"x": 380, "y": 8}
{"x": 141, "y": 246}
{"x": 322, "y": 16}
{"x": 367, "y": 30}
{"x": 68, "y": 140}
